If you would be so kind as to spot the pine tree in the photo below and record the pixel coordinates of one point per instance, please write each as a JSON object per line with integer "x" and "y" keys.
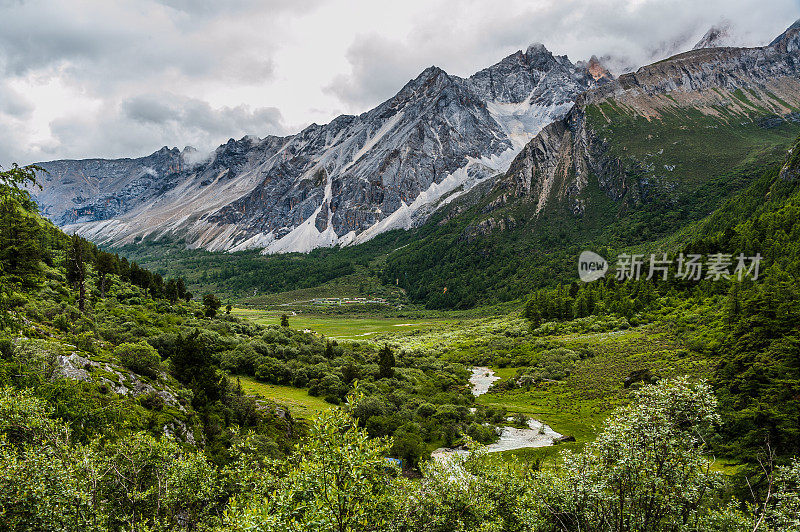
{"x": 386, "y": 362}
{"x": 105, "y": 265}
{"x": 76, "y": 268}
{"x": 211, "y": 304}
{"x": 20, "y": 249}
{"x": 180, "y": 286}
{"x": 171, "y": 290}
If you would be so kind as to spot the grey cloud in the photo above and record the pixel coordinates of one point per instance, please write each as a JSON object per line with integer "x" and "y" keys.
{"x": 128, "y": 41}
{"x": 379, "y": 68}
{"x": 214, "y": 7}
{"x": 138, "y": 127}
{"x": 190, "y": 114}
{"x": 477, "y": 34}
{"x": 148, "y": 110}
{"x": 14, "y": 104}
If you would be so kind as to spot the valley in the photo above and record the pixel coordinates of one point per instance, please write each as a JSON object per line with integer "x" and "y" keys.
{"x": 379, "y": 323}
{"x": 574, "y": 403}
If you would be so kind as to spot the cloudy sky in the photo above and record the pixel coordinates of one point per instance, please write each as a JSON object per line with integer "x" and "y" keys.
{"x": 125, "y": 77}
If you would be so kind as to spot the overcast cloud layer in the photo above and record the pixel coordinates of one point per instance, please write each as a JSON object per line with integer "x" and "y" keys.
{"x": 85, "y": 79}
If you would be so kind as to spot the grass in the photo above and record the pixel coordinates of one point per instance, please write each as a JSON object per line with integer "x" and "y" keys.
{"x": 723, "y": 160}
{"x": 297, "y": 400}
{"x": 360, "y": 284}
{"x": 340, "y": 328}
{"x": 504, "y": 373}
{"x": 728, "y": 467}
{"x": 578, "y": 405}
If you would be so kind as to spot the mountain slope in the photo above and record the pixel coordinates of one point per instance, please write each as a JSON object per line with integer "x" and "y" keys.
{"x": 339, "y": 183}
{"x": 634, "y": 161}
{"x": 619, "y": 130}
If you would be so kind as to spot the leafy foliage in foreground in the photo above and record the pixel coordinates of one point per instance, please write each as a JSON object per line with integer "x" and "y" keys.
{"x": 646, "y": 471}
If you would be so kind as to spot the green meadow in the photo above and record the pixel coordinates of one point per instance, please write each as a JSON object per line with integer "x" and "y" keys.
{"x": 574, "y": 406}
{"x": 297, "y": 400}
{"x": 337, "y": 327}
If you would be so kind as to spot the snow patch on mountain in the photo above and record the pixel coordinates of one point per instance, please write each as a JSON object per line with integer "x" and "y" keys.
{"x": 384, "y": 129}
{"x": 304, "y": 238}
{"x": 520, "y": 121}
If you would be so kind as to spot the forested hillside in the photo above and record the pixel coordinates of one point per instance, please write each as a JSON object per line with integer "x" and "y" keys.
{"x": 121, "y": 408}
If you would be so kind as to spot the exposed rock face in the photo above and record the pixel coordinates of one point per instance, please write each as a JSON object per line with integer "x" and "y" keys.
{"x": 790, "y": 170}
{"x": 486, "y": 227}
{"x": 97, "y": 189}
{"x": 718, "y": 36}
{"x": 76, "y": 367}
{"x": 787, "y": 41}
{"x": 554, "y": 167}
{"x": 339, "y": 183}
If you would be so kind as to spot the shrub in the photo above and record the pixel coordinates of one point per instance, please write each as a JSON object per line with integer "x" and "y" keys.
{"x": 141, "y": 358}
{"x": 6, "y": 348}
{"x": 152, "y": 401}
{"x": 332, "y": 399}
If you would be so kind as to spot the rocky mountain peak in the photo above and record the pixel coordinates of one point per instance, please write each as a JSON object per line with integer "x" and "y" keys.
{"x": 718, "y": 36}
{"x": 596, "y": 69}
{"x": 789, "y": 40}
{"x": 431, "y": 77}
{"x": 537, "y": 48}
{"x": 167, "y": 150}
{"x": 556, "y": 166}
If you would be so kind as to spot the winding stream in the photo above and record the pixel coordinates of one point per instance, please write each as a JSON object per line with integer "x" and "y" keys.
{"x": 538, "y": 435}
{"x": 481, "y": 380}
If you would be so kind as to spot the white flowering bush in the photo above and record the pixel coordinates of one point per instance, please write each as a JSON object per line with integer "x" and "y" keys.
{"x": 645, "y": 471}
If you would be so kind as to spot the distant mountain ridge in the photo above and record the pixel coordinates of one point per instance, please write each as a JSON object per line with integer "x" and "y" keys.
{"x": 338, "y": 183}
{"x": 636, "y": 160}
{"x": 727, "y": 85}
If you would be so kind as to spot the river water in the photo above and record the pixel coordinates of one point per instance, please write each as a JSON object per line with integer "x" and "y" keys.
{"x": 538, "y": 435}
{"x": 481, "y": 380}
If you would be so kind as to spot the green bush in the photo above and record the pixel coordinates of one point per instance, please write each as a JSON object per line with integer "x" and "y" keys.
{"x": 141, "y": 358}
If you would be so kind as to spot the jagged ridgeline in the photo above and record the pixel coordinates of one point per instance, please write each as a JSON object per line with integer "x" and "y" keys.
{"x": 338, "y": 183}
{"x": 634, "y": 161}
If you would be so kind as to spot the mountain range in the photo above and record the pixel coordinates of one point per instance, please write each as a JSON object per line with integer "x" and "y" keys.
{"x": 533, "y": 127}
{"x": 338, "y": 183}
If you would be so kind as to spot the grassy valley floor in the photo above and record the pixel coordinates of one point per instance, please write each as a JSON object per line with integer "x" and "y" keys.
{"x": 574, "y": 405}
{"x": 339, "y": 327}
